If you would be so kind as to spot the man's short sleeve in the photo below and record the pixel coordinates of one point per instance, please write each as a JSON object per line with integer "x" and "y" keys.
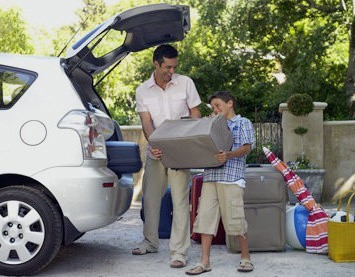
{"x": 140, "y": 107}
{"x": 193, "y": 98}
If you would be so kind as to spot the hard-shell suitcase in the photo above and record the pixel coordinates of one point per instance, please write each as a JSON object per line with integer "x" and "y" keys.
{"x": 196, "y": 188}
{"x": 192, "y": 142}
{"x": 264, "y": 184}
{"x": 166, "y": 215}
{"x": 265, "y": 210}
{"x": 266, "y": 228}
{"x": 123, "y": 157}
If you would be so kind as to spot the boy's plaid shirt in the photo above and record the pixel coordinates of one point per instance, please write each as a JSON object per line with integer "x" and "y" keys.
{"x": 234, "y": 169}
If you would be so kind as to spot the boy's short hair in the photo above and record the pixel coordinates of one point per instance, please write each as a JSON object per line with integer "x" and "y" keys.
{"x": 225, "y": 96}
{"x": 164, "y": 51}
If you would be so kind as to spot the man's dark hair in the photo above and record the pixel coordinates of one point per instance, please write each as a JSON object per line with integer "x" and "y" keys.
{"x": 225, "y": 96}
{"x": 164, "y": 51}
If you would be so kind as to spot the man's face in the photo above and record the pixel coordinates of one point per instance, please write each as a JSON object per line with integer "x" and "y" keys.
{"x": 164, "y": 71}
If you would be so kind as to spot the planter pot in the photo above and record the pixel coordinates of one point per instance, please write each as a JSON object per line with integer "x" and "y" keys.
{"x": 313, "y": 180}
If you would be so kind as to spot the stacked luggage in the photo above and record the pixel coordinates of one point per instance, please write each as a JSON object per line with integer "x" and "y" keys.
{"x": 265, "y": 210}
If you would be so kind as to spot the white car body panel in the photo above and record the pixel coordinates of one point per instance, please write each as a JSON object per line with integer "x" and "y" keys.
{"x": 63, "y": 144}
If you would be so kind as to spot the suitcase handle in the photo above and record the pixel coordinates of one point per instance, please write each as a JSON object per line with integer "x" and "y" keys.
{"x": 253, "y": 165}
{"x": 188, "y": 118}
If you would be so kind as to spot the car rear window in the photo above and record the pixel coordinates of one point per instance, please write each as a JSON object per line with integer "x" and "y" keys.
{"x": 13, "y": 84}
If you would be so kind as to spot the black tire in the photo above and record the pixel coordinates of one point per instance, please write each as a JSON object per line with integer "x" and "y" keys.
{"x": 31, "y": 231}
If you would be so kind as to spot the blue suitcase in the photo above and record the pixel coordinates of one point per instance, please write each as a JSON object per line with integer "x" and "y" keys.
{"x": 123, "y": 157}
{"x": 166, "y": 215}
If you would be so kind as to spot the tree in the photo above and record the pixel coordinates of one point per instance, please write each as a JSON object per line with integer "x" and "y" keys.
{"x": 301, "y": 105}
{"x": 13, "y": 36}
{"x": 306, "y": 43}
{"x": 311, "y": 42}
{"x": 227, "y": 58}
{"x": 350, "y": 76}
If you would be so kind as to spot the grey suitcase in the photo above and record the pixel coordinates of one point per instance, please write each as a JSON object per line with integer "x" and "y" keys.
{"x": 266, "y": 228}
{"x": 192, "y": 142}
{"x": 264, "y": 185}
{"x": 265, "y": 210}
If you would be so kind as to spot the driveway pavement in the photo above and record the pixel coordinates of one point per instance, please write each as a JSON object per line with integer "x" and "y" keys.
{"x": 107, "y": 252}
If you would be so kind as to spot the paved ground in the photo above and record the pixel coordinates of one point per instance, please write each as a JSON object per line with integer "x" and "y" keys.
{"x": 107, "y": 252}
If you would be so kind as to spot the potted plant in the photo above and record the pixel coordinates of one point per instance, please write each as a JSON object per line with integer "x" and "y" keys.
{"x": 301, "y": 105}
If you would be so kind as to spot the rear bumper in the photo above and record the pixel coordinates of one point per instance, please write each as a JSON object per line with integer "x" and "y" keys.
{"x": 83, "y": 198}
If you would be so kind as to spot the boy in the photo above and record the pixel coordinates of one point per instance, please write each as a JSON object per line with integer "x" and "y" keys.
{"x": 223, "y": 187}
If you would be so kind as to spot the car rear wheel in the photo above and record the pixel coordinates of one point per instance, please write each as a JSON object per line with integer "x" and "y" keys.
{"x": 31, "y": 230}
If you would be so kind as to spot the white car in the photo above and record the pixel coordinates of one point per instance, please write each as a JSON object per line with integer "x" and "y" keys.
{"x": 64, "y": 169}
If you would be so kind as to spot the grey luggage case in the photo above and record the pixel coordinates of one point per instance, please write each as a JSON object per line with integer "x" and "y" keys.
{"x": 266, "y": 228}
{"x": 265, "y": 210}
{"x": 264, "y": 185}
{"x": 192, "y": 142}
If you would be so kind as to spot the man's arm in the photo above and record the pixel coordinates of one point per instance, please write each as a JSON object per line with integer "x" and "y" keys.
{"x": 148, "y": 128}
{"x": 147, "y": 124}
{"x": 195, "y": 112}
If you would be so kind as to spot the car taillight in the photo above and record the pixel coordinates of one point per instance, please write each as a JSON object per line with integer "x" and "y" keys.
{"x": 90, "y": 130}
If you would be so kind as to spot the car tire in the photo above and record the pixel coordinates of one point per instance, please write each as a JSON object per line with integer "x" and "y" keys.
{"x": 31, "y": 230}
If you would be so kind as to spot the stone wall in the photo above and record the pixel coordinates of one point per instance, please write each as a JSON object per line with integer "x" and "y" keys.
{"x": 339, "y": 158}
{"x": 329, "y": 145}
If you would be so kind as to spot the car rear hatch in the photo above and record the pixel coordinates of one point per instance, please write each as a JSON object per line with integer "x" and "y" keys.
{"x": 138, "y": 29}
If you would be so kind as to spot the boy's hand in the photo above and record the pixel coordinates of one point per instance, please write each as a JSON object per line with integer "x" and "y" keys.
{"x": 222, "y": 156}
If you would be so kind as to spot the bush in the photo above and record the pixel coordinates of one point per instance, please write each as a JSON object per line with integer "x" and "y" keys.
{"x": 300, "y": 104}
{"x": 257, "y": 155}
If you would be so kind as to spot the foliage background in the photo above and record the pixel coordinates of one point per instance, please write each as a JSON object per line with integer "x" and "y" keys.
{"x": 261, "y": 50}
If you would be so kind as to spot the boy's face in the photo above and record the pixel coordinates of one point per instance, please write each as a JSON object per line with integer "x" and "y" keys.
{"x": 221, "y": 107}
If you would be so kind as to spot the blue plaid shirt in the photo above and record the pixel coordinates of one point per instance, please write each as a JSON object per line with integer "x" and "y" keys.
{"x": 234, "y": 169}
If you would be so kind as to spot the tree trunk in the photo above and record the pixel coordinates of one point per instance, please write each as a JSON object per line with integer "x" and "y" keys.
{"x": 350, "y": 75}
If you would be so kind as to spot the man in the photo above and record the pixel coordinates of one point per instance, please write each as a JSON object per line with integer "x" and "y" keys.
{"x": 165, "y": 95}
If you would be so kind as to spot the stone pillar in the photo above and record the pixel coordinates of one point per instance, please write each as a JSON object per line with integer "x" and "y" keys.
{"x": 312, "y": 140}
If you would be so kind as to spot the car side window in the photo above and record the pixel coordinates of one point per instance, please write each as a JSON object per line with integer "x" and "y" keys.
{"x": 13, "y": 84}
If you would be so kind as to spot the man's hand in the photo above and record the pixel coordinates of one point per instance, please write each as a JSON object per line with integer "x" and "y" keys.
{"x": 157, "y": 153}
